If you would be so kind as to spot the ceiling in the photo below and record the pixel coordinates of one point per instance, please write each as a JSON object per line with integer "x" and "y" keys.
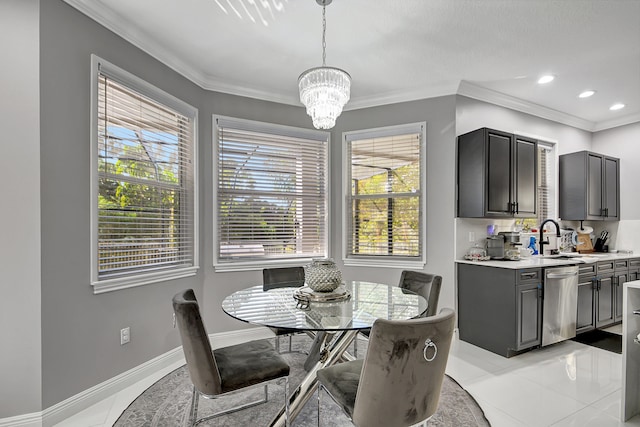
{"x": 400, "y": 50}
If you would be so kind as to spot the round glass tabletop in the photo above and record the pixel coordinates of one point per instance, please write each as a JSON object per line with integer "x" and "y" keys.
{"x": 367, "y": 302}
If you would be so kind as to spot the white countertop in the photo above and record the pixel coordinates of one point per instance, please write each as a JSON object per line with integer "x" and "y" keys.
{"x": 548, "y": 260}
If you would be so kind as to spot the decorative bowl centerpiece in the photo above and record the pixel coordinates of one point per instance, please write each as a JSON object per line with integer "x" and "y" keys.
{"x": 322, "y": 275}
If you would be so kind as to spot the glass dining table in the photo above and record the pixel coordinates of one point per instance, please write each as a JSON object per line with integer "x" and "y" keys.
{"x": 335, "y": 322}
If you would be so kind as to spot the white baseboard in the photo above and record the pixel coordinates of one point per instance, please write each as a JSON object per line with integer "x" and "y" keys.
{"x": 99, "y": 392}
{"x": 25, "y": 420}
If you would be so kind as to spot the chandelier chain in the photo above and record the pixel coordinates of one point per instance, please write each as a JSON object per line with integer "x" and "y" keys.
{"x": 324, "y": 41}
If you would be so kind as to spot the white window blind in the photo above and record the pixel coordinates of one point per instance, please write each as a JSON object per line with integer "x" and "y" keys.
{"x": 385, "y": 201}
{"x": 546, "y": 183}
{"x": 145, "y": 182}
{"x": 272, "y": 191}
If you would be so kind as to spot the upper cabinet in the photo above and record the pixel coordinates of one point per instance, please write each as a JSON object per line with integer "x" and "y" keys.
{"x": 589, "y": 186}
{"x": 496, "y": 175}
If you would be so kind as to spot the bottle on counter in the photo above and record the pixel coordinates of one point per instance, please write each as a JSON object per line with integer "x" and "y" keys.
{"x": 532, "y": 245}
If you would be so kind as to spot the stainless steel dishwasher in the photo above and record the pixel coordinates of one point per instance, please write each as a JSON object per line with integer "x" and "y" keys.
{"x": 560, "y": 304}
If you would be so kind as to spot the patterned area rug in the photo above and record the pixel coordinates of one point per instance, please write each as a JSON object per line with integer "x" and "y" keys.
{"x": 167, "y": 403}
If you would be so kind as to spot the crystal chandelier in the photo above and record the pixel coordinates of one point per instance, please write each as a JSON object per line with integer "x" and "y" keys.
{"x": 324, "y": 90}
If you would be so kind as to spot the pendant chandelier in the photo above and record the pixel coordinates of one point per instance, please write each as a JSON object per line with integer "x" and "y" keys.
{"x": 324, "y": 90}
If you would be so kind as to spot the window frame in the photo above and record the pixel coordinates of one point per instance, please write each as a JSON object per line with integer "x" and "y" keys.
{"x": 266, "y": 127}
{"x": 392, "y": 261}
{"x": 130, "y": 81}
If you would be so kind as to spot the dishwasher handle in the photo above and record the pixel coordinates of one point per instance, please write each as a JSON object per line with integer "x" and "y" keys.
{"x": 561, "y": 275}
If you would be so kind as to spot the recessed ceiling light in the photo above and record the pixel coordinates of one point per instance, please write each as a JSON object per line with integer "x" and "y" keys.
{"x": 587, "y": 93}
{"x": 545, "y": 79}
{"x": 617, "y": 106}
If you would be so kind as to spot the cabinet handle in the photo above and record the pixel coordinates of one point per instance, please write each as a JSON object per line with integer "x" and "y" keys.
{"x": 528, "y": 275}
{"x": 517, "y": 208}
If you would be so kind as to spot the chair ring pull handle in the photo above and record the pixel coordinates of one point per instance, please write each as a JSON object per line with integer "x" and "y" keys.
{"x": 428, "y": 343}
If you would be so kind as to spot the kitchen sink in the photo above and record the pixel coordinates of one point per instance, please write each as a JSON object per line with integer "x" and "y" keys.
{"x": 559, "y": 256}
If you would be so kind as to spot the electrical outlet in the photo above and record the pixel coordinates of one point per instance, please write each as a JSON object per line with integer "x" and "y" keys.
{"x": 125, "y": 335}
{"x": 472, "y": 236}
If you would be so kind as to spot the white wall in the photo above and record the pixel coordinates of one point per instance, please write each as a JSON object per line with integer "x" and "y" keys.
{"x": 472, "y": 114}
{"x": 20, "y": 352}
{"x": 624, "y": 142}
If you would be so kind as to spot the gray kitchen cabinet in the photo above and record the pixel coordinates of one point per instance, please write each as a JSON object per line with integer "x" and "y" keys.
{"x": 634, "y": 269}
{"x": 496, "y": 175}
{"x": 604, "y": 294}
{"x": 585, "y": 320}
{"x": 529, "y": 315}
{"x": 500, "y": 309}
{"x": 600, "y": 294}
{"x": 589, "y": 186}
{"x": 621, "y": 275}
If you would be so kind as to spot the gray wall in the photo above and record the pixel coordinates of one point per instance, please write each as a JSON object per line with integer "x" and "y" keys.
{"x": 20, "y": 373}
{"x": 438, "y": 113}
{"x": 80, "y": 330}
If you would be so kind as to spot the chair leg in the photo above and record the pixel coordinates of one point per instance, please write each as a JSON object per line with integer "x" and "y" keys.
{"x": 318, "y": 391}
{"x": 194, "y": 406}
{"x": 355, "y": 347}
{"x": 290, "y": 336}
{"x": 286, "y": 401}
{"x": 277, "y": 343}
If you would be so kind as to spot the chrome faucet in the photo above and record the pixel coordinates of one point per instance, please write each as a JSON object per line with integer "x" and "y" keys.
{"x": 542, "y": 241}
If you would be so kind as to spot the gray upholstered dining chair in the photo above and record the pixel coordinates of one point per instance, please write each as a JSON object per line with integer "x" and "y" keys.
{"x": 224, "y": 370}
{"x": 423, "y": 284}
{"x": 283, "y": 277}
{"x": 399, "y": 381}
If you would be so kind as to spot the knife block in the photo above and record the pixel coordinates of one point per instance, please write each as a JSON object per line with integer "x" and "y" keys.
{"x": 599, "y": 245}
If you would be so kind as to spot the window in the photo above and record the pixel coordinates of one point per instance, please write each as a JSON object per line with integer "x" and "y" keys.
{"x": 272, "y": 195}
{"x": 385, "y": 196}
{"x": 143, "y": 192}
{"x": 546, "y": 203}
{"x": 546, "y": 182}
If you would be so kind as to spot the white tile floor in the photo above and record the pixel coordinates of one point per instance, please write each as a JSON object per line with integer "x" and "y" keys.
{"x": 566, "y": 384}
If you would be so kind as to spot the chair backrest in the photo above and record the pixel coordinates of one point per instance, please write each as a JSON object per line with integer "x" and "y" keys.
{"x": 427, "y": 285}
{"x": 195, "y": 344}
{"x": 398, "y": 386}
{"x": 284, "y": 277}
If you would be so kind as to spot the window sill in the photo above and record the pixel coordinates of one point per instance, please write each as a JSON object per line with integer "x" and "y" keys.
{"x": 259, "y": 264}
{"x": 103, "y": 286}
{"x": 386, "y": 263}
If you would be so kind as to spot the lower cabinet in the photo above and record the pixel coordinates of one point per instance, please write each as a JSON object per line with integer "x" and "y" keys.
{"x": 529, "y": 315}
{"x": 605, "y": 301}
{"x": 620, "y": 278}
{"x": 585, "y": 320}
{"x": 500, "y": 309}
{"x": 600, "y": 289}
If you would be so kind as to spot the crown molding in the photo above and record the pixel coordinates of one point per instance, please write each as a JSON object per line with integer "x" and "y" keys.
{"x": 618, "y": 121}
{"x": 105, "y": 17}
{"x": 483, "y": 94}
{"x": 400, "y": 96}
